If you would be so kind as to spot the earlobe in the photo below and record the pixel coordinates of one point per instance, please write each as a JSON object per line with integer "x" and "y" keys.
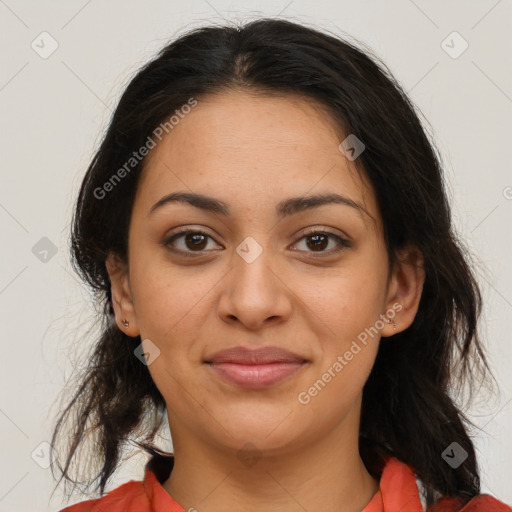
{"x": 122, "y": 301}
{"x": 406, "y": 286}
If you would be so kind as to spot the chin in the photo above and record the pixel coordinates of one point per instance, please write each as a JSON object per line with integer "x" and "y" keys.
{"x": 273, "y": 433}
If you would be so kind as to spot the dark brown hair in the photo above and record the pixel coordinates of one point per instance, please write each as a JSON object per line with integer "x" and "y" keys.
{"x": 407, "y": 408}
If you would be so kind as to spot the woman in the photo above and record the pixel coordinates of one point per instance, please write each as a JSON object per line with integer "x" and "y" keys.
{"x": 267, "y": 228}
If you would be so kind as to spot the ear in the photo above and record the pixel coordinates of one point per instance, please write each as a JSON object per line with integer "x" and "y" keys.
{"x": 404, "y": 291}
{"x": 121, "y": 294}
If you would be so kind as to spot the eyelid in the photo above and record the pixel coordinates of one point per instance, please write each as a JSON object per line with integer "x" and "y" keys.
{"x": 325, "y": 230}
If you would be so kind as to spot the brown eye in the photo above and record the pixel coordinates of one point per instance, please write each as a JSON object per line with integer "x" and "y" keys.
{"x": 318, "y": 241}
{"x": 188, "y": 242}
{"x": 195, "y": 241}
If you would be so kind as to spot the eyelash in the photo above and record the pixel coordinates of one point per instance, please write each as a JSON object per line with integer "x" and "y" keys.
{"x": 342, "y": 242}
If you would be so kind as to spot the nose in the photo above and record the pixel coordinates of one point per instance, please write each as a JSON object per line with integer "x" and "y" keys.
{"x": 254, "y": 294}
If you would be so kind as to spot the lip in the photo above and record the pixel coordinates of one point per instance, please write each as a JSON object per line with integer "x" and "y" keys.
{"x": 257, "y": 356}
{"x": 255, "y": 368}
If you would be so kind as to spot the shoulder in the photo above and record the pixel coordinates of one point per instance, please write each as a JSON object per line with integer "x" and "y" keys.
{"x": 400, "y": 486}
{"x": 128, "y": 497}
{"x": 479, "y": 503}
{"x": 147, "y": 495}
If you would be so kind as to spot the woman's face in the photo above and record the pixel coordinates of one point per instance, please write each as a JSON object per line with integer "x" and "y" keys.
{"x": 260, "y": 276}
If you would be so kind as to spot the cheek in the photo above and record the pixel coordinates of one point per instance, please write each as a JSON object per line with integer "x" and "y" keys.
{"x": 171, "y": 308}
{"x": 169, "y": 301}
{"x": 346, "y": 303}
{"x": 334, "y": 390}
{"x": 347, "y": 312}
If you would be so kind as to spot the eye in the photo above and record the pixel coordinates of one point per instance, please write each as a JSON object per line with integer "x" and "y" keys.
{"x": 193, "y": 241}
{"x": 318, "y": 239}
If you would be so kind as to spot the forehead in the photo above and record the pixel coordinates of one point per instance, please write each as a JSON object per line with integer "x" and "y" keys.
{"x": 239, "y": 145}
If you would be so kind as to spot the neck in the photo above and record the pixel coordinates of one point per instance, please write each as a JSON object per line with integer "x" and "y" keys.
{"x": 326, "y": 475}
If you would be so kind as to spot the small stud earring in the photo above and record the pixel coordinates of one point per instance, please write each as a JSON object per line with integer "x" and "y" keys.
{"x": 126, "y": 323}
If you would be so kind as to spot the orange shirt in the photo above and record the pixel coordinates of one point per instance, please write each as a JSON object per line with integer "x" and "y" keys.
{"x": 398, "y": 491}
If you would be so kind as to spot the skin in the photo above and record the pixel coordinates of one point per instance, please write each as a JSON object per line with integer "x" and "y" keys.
{"x": 252, "y": 152}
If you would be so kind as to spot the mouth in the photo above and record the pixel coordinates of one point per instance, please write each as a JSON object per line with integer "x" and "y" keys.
{"x": 255, "y": 376}
{"x": 256, "y": 368}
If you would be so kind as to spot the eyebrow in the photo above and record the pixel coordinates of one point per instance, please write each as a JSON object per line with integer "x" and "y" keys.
{"x": 284, "y": 208}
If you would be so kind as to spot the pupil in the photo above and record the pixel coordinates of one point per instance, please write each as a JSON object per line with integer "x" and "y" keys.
{"x": 195, "y": 237}
{"x": 316, "y": 244}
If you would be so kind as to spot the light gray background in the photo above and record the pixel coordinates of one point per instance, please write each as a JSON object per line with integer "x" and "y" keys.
{"x": 54, "y": 111}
